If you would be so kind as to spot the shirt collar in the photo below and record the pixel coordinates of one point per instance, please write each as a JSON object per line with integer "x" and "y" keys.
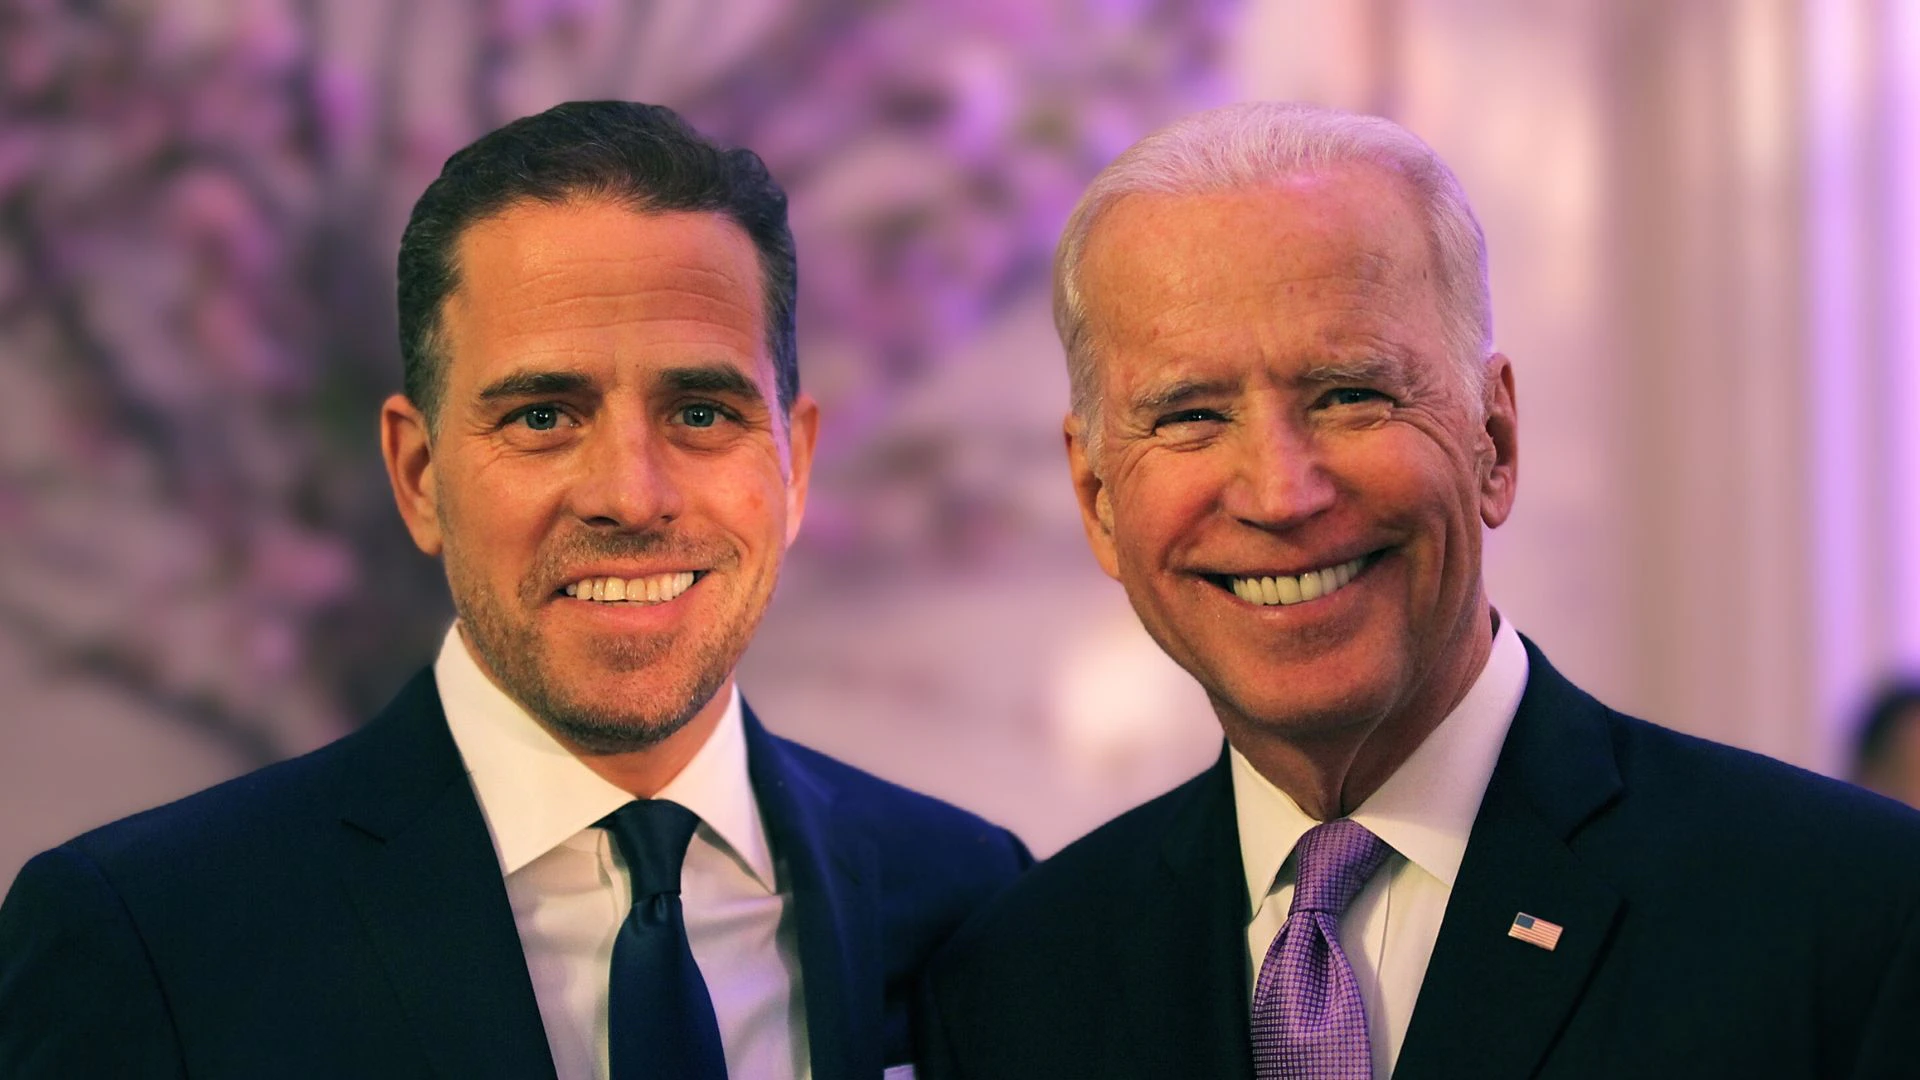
{"x": 536, "y": 795}
{"x": 1425, "y": 810}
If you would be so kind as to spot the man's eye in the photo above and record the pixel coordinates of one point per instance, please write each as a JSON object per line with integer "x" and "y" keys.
{"x": 1353, "y": 395}
{"x": 1188, "y": 416}
{"x": 700, "y": 416}
{"x": 539, "y": 417}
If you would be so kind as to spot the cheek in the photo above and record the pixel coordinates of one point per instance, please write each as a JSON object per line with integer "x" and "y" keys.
{"x": 1155, "y": 510}
{"x": 1435, "y": 497}
{"x": 1400, "y": 470}
{"x": 496, "y": 514}
{"x": 750, "y": 502}
{"x": 765, "y": 511}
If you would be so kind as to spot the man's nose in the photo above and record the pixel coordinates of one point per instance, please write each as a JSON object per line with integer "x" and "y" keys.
{"x": 1280, "y": 478}
{"x": 628, "y": 477}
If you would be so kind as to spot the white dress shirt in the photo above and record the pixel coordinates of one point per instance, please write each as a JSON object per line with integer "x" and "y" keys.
{"x": 570, "y": 893}
{"x": 1424, "y": 812}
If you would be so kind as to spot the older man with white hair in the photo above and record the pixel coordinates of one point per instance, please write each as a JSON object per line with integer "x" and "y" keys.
{"x": 1422, "y": 852}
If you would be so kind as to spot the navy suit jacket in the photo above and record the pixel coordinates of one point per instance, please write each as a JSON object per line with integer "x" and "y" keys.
{"x": 343, "y": 914}
{"x": 1725, "y": 916}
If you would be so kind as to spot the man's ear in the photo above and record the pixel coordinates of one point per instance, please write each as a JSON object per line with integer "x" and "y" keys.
{"x": 408, "y": 449}
{"x": 803, "y": 427}
{"x": 1500, "y": 457}
{"x": 1096, "y": 505}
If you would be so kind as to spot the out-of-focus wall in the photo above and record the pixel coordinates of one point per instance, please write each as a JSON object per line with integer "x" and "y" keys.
{"x": 1703, "y": 235}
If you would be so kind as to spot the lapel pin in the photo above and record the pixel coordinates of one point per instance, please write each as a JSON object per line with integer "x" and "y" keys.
{"x": 1535, "y": 931}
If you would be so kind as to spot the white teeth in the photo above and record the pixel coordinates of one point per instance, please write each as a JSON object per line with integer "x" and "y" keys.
{"x": 656, "y": 589}
{"x": 1289, "y": 589}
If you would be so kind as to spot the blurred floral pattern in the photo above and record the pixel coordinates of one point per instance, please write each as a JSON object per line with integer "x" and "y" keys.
{"x": 199, "y": 206}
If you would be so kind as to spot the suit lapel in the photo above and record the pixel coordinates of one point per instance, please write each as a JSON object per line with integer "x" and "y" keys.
{"x": 1182, "y": 945}
{"x": 419, "y": 865}
{"x": 832, "y": 873}
{"x": 1491, "y": 1006}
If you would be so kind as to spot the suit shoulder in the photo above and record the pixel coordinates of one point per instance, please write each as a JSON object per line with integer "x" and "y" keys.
{"x": 261, "y": 800}
{"x": 1706, "y": 804}
{"x": 257, "y": 823}
{"x": 1663, "y": 757}
{"x": 1128, "y": 840}
{"x": 1056, "y": 896}
{"x": 269, "y": 808}
{"x": 891, "y": 812}
{"x": 1763, "y": 807}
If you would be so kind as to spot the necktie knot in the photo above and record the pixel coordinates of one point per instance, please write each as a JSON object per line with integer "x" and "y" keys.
{"x": 1335, "y": 860}
{"x": 652, "y": 835}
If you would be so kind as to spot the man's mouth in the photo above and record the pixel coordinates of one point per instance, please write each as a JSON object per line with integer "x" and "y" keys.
{"x": 1285, "y": 589}
{"x": 653, "y": 589}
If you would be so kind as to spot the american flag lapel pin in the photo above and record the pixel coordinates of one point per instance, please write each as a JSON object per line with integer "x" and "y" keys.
{"x": 1535, "y": 931}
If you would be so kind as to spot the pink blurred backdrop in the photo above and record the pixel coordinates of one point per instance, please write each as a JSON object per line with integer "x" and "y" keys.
{"x": 1704, "y": 230}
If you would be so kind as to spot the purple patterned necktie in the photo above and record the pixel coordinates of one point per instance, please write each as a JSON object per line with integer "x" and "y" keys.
{"x": 1309, "y": 1022}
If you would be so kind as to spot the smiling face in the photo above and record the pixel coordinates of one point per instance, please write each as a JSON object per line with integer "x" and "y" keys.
{"x": 609, "y": 481}
{"x": 1292, "y": 479}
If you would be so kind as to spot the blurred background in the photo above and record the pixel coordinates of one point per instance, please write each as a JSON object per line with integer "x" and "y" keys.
{"x": 1704, "y": 221}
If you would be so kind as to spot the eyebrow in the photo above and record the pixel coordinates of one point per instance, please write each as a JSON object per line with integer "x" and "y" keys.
{"x": 712, "y": 379}
{"x": 522, "y": 384}
{"x": 708, "y": 379}
{"x": 1178, "y": 393}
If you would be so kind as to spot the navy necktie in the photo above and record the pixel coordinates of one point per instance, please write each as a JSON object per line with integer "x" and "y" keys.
{"x": 660, "y": 1021}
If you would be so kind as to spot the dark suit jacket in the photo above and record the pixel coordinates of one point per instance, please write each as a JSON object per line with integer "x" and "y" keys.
{"x": 1725, "y": 916}
{"x": 344, "y": 915}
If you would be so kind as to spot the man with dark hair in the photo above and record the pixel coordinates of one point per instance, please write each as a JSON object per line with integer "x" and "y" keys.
{"x": 567, "y": 849}
{"x": 1886, "y": 755}
{"x": 1422, "y": 853}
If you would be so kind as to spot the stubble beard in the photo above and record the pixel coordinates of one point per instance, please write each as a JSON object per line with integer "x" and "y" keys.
{"x": 520, "y": 660}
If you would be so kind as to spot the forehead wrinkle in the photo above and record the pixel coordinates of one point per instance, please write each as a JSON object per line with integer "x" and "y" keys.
{"x": 1199, "y": 310}
{"x": 1367, "y": 368}
{"x": 544, "y": 269}
{"x": 1372, "y": 265}
{"x": 556, "y": 326}
{"x": 617, "y": 305}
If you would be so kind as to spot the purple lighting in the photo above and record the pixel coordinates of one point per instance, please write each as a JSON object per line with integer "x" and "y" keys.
{"x": 1900, "y": 66}
{"x": 1837, "y": 369}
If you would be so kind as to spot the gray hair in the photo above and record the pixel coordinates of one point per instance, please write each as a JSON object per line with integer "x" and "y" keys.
{"x": 1257, "y": 143}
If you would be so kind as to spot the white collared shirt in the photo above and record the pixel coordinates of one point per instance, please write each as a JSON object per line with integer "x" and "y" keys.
{"x": 570, "y": 892}
{"x": 1424, "y": 812}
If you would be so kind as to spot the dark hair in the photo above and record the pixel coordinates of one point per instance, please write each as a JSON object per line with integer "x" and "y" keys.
{"x": 1883, "y": 718}
{"x": 643, "y": 156}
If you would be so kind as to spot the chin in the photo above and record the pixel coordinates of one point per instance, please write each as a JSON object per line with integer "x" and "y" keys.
{"x": 599, "y": 733}
{"x": 636, "y": 706}
{"x": 1306, "y": 707}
